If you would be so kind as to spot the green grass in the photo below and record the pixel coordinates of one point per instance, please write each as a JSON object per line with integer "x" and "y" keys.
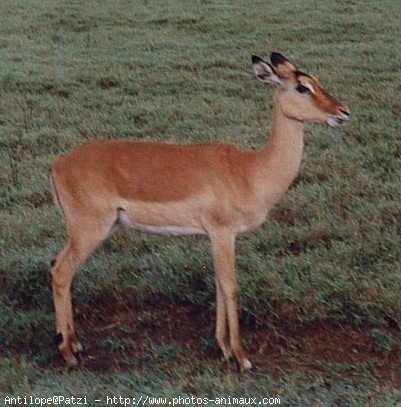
{"x": 179, "y": 72}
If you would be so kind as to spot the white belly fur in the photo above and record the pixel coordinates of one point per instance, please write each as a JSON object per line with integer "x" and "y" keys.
{"x": 165, "y": 229}
{"x": 168, "y": 230}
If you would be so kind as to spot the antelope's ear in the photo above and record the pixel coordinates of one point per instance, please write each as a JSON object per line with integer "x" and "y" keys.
{"x": 265, "y": 72}
{"x": 282, "y": 66}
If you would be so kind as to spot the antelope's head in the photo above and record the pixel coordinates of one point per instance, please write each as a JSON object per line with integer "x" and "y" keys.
{"x": 300, "y": 96}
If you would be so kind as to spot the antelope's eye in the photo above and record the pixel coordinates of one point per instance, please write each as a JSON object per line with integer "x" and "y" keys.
{"x": 302, "y": 89}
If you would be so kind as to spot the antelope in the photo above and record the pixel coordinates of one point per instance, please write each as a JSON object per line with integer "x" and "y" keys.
{"x": 211, "y": 189}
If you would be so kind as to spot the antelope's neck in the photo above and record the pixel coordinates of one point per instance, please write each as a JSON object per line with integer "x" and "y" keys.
{"x": 281, "y": 158}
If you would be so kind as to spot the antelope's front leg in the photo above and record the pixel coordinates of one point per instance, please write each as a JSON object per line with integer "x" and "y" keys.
{"x": 223, "y": 242}
{"x": 221, "y": 323}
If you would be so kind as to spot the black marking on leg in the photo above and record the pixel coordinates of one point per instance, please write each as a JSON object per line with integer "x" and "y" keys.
{"x": 233, "y": 361}
{"x": 59, "y": 339}
{"x": 53, "y": 261}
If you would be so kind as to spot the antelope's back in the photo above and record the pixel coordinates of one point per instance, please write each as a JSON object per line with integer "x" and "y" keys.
{"x": 146, "y": 171}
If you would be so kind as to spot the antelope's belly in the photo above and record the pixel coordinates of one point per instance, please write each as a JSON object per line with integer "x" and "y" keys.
{"x": 179, "y": 218}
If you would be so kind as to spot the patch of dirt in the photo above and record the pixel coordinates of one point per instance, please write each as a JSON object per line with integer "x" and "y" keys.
{"x": 120, "y": 337}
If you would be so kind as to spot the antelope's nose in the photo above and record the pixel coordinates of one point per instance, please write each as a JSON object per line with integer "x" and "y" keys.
{"x": 345, "y": 111}
{"x": 341, "y": 116}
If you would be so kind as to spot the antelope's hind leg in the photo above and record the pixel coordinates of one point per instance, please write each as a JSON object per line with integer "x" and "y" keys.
{"x": 81, "y": 244}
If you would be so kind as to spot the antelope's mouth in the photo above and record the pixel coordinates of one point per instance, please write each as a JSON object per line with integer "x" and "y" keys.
{"x": 334, "y": 121}
{"x": 337, "y": 121}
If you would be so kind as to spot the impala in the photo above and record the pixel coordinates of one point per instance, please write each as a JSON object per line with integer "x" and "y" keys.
{"x": 211, "y": 189}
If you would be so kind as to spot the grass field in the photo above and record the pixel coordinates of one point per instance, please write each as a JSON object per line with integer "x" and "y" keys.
{"x": 320, "y": 281}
